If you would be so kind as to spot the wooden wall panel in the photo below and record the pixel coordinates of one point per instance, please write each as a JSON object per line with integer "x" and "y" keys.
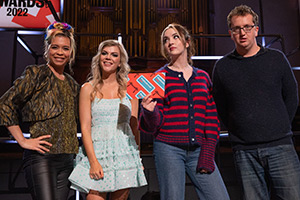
{"x": 140, "y": 23}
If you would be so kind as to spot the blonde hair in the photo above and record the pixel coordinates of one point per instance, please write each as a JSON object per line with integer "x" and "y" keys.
{"x": 184, "y": 37}
{"x": 60, "y": 29}
{"x": 122, "y": 71}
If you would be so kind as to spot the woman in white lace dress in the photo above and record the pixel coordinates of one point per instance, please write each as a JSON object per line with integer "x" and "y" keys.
{"x": 110, "y": 159}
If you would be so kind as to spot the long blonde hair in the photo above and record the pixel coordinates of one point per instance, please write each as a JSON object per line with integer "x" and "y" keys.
{"x": 122, "y": 71}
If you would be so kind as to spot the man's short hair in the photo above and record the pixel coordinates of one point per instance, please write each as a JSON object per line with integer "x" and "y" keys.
{"x": 242, "y": 10}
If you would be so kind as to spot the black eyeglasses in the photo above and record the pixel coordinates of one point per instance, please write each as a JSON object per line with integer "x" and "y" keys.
{"x": 246, "y": 29}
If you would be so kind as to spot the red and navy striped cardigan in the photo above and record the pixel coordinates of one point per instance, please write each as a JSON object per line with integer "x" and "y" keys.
{"x": 186, "y": 116}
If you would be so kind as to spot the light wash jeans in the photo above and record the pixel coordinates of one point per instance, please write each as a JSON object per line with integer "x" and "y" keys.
{"x": 265, "y": 172}
{"x": 173, "y": 163}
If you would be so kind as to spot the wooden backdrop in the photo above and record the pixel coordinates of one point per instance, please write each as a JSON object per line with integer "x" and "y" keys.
{"x": 139, "y": 22}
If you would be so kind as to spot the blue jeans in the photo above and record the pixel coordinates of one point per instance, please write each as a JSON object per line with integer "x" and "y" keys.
{"x": 173, "y": 163}
{"x": 269, "y": 172}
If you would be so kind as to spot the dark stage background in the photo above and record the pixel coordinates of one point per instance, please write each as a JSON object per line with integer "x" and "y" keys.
{"x": 139, "y": 24}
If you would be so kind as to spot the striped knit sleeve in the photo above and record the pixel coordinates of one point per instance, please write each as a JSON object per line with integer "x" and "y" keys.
{"x": 150, "y": 122}
{"x": 212, "y": 128}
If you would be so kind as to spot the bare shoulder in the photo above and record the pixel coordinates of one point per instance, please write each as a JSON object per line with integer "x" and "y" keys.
{"x": 87, "y": 88}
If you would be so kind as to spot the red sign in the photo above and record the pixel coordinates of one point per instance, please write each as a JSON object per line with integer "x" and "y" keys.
{"x": 27, "y": 13}
{"x": 141, "y": 84}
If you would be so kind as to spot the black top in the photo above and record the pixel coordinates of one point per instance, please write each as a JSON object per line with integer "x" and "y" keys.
{"x": 256, "y": 98}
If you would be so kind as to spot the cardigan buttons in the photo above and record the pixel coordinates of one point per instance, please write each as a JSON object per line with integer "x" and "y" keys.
{"x": 179, "y": 75}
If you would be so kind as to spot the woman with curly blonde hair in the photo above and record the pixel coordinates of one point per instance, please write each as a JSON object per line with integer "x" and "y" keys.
{"x": 122, "y": 70}
{"x": 110, "y": 159}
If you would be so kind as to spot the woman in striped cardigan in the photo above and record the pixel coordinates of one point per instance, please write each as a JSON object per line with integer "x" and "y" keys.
{"x": 184, "y": 123}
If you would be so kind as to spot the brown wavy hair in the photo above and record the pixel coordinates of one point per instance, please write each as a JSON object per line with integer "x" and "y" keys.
{"x": 184, "y": 37}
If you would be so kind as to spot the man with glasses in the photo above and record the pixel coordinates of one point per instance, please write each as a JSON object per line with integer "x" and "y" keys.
{"x": 256, "y": 96}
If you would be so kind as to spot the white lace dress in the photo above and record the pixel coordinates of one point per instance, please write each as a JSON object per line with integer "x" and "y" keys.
{"x": 115, "y": 149}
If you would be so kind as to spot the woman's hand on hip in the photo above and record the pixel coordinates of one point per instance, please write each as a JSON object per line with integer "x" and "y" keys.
{"x": 37, "y": 144}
